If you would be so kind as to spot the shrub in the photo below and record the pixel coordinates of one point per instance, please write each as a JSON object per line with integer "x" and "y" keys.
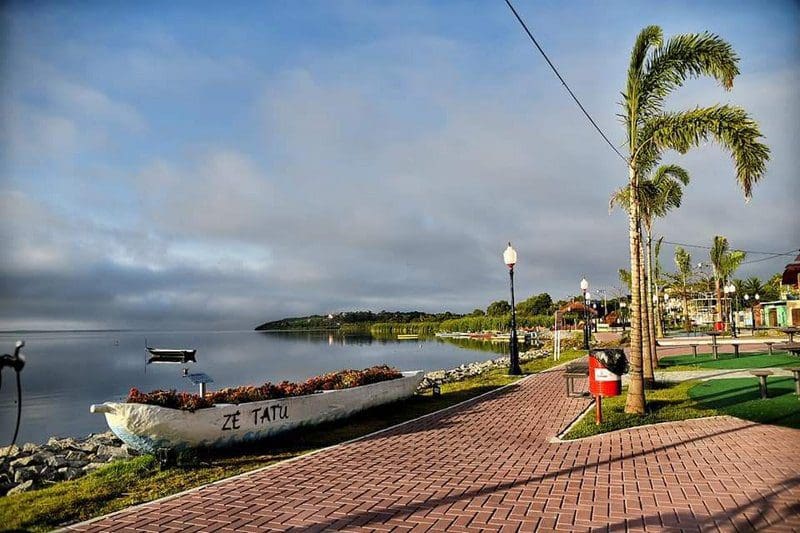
{"x": 343, "y": 379}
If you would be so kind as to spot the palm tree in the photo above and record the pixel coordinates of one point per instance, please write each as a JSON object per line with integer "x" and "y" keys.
{"x": 684, "y": 263}
{"x": 725, "y": 263}
{"x": 657, "y": 196}
{"x": 656, "y": 69}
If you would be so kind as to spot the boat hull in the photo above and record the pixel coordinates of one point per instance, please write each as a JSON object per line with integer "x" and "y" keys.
{"x": 150, "y": 427}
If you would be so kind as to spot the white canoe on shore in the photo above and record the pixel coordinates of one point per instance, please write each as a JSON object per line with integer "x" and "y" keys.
{"x": 150, "y": 427}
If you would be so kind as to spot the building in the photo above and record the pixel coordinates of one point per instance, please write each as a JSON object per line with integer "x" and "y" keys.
{"x": 786, "y": 311}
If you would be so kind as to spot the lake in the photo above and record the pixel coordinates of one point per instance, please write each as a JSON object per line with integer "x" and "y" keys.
{"x": 66, "y": 372}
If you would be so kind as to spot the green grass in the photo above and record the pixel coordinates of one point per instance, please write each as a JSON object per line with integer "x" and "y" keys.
{"x": 139, "y": 480}
{"x": 664, "y": 405}
{"x": 740, "y": 397}
{"x": 694, "y": 399}
{"x": 727, "y": 361}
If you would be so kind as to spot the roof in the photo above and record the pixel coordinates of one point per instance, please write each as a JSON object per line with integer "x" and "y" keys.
{"x": 791, "y": 274}
{"x": 576, "y": 307}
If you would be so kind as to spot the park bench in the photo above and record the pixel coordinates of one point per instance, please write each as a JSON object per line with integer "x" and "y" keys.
{"x": 795, "y": 370}
{"x": 572, "y": 372}
{"x": 762, "y": 381}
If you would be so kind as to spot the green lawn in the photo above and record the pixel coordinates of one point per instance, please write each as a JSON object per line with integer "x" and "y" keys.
{"x": 694, "y": 399}
{"x": 728, "y": 361}
{"x": 126, "y": 483}
{"x": 740, "y": 397}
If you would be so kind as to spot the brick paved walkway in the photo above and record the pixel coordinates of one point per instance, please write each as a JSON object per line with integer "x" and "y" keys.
{"x": 490, "y": 465}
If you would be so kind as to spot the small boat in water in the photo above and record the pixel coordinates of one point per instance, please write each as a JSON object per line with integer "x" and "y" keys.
{"x": 148, "y": 428}
{"x": 171, "y": 355}
{"x": 407, "y": 336}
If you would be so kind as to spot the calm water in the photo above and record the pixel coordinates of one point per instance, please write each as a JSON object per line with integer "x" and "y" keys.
{"x": 66, "y": 372}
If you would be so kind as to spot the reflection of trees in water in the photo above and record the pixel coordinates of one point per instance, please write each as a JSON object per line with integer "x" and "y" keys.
{"x": 478, "y": 345}
{"x": 335, "y": 338}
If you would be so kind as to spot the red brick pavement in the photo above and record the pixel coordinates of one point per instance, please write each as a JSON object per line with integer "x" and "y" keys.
{"x": 490, "y": 465}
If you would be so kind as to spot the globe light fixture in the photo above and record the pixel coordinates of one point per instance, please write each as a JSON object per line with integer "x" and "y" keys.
{"x": 510, "y": 259}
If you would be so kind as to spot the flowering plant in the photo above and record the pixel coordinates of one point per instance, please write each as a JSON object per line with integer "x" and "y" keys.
{"x": 343, "y": 379}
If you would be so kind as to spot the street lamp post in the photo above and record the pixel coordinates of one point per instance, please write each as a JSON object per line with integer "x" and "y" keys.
{"x": 510, "y": 259}
{"x": 730, "y": 290}
{"x": 622, "y": 306}
{"x": 664, "y": 315}
{"x": 585, "y": 288}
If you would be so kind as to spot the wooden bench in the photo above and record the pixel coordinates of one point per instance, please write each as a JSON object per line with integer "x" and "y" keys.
{"x": 735, "y": 348}
{"x": 573, "y": 372}
{"x": 762, "y": 381}
{"x": 795, "y": 370}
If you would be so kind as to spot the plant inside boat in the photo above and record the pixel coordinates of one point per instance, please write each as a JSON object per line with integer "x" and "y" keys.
{"x": 343, "y": 379}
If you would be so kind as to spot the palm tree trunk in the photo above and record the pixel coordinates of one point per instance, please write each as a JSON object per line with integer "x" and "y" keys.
{"x": 652, "y": 316}
{"x": 635, "y": 402}
{"x": 719, "y": 297}
{"x": 647, "y": 339}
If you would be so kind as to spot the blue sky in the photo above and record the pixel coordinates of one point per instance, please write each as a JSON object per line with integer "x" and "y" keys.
{"x": 216, "y": 165}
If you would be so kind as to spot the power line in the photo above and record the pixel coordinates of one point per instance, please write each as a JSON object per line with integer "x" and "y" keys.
{"x": 772, "y": 254}
{"x": 564, "y": 83}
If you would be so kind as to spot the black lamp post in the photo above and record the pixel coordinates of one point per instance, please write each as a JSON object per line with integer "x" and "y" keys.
{"x": 510, "y": 259}
{"x": 585, "y": 288}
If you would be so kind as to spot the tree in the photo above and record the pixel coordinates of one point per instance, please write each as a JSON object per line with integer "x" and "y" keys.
{"x": 539, "y": 304}
{"x": 656, "y": 69}
{"x": 657, "y": 195}
{"x": 498, "y": 308}
{"x": 477, "y": 312}
{"x": 684, "y": 263}
{"x": 725, "y": 263}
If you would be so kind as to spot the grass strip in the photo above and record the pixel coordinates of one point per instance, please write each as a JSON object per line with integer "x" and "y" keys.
{"x": 727, "y": 361}
{"x": 125, "y": 483}
{"x": 737, "y": 397}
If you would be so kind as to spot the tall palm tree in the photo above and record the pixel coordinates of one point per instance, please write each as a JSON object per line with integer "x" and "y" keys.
{"x": 683, "y": 260}
{"x": 656, "y": 69}
{"x": 725, "y": 263}
{"x": 657, "y": 196}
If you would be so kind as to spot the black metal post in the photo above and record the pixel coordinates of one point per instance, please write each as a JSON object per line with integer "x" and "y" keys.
{"x": 515, "y": 370}
{"x": 585, "y": 323}
{"x": 752, "y": 320}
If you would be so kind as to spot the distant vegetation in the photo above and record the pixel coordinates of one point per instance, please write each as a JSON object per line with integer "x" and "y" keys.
{"x": 534, "y": 311}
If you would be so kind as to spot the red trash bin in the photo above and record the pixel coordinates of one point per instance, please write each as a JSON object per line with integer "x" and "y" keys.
{"x": 602, "y": 381}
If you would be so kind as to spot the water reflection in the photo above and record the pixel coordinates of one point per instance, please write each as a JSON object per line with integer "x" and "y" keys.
{"x": 66, "y": 372}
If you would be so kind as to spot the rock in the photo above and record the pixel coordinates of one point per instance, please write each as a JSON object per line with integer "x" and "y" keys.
{"x": 9, "y": 450}
{"x": 48, "y": 473}
{"x": 80, "y": 463}
{"x": 112, "y": 451}
{"x": 24, "y": 474}
{"x": 68, "y": 473}
{"x": 57, "y": 461}
{"x": 30, "y": 447}
{"x": 22, "y": 487}
{"x": 102, "y": 459}
{"x": 74, "y": 455}
{"x": 87, "y": 447}
{"x": 24, "y": 461}
{"x": 93, "y": 466}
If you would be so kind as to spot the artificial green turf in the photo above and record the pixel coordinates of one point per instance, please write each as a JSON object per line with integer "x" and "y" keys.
{"x": 694, "y": 399}
{"x": 740, "y": 397}
{"x": 728, "y": 361}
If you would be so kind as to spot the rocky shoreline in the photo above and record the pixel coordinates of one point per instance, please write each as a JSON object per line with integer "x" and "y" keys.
{"x": 33, "y": 466}
{"x": 468, "y": 370}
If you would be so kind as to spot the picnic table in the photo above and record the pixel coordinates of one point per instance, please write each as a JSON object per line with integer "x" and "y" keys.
{"x": 790, "y": 332}
{"x": 762, "y": 381}
{"x": 793, "y": 347}
{"x": 714, "y": 347}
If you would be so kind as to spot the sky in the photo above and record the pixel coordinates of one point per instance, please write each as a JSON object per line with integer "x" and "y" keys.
{"x": 217, "y": 165}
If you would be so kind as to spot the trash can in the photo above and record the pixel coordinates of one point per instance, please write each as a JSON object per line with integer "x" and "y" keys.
{"x": 606, "y": 367}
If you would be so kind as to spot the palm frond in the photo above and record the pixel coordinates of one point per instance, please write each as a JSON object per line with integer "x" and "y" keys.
{"x": 730, "y": 126}
{"x": 684, "y": 56}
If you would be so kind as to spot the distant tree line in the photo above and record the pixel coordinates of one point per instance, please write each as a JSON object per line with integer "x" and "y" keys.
{"x": 530, "y": 312}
